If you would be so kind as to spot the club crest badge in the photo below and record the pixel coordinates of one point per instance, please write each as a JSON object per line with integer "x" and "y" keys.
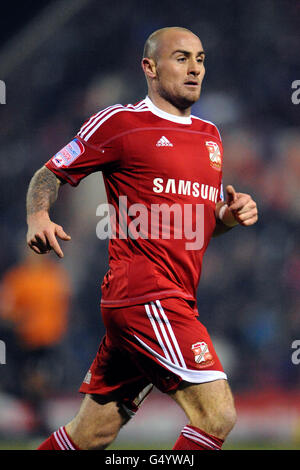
{"x": 203, "y": 357}
{"x": 214, "y": 155}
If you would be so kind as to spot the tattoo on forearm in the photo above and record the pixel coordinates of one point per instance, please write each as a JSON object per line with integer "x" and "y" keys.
{"x": 42, "y": 191}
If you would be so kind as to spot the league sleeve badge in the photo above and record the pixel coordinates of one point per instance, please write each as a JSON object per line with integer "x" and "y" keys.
{"x": 68, "y": 154}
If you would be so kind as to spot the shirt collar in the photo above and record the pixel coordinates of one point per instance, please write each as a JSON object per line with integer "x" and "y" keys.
{"x": 164, "y": 115}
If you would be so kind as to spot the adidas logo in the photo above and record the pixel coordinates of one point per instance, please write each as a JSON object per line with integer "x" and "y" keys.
{"x": 163, "y": 142}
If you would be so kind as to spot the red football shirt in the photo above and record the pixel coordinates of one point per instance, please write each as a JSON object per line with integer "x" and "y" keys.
{"x": 151, "y": 160}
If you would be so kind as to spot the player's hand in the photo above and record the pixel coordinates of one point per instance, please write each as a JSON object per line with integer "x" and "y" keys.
{"x": 42, "y": 234}
{"x": 241, "y": 206}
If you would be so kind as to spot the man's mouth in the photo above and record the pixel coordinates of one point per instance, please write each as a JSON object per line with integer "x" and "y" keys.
{"x": 192, "y": 83}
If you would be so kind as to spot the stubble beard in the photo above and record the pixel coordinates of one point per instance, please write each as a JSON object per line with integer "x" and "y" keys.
{"x": 179, "y": 101}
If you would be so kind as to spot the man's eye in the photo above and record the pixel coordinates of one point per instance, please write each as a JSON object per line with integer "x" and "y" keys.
{"x": 181, "y": 59}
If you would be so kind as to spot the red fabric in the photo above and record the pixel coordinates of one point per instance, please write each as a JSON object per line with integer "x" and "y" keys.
{"x": 125, "y": 143}
{"x": 193, "y": 438}
{"x": 49, "y": 444}
{"x": 59, "y": 440}
{"x": 170, "y": 330}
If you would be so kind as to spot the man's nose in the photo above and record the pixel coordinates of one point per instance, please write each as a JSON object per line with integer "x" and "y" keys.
{"x": 194, "y": 67}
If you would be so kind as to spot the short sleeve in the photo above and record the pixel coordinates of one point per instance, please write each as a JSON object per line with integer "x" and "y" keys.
{"x": 81, "y": 157}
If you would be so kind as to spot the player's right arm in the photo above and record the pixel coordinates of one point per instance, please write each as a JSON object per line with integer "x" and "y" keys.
{"x": 42, "y": 232}
{"x": 96, "y": 147}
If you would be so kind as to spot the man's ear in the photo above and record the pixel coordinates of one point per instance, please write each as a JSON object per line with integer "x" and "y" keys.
{"x": 149, "y": 67}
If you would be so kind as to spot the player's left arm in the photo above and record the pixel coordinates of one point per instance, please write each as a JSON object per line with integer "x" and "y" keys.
{"x": 239, "y": 209}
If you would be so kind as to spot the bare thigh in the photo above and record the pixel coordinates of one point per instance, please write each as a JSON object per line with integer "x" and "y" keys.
{"x": 209, "y": 406}
{"x": 97, "y": 424}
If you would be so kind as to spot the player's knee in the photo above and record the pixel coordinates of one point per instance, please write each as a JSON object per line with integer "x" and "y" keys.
{"x": 219, "y": 420}
{"x": 222, "y": 420}
{"x": 227, "y": 419}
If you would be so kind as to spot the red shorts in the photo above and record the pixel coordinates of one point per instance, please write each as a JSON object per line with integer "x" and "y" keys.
{"x": 161, "y": 343}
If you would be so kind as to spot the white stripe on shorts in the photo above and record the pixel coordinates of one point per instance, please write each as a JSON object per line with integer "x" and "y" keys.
{"x": 189, "y": 375}
{"x": 170, "y": 345}
{"x": 161, "y": 322}
{"x": 164, "y": 341}
{"x": 147, "y": 308}
{"x": 171, "y": 333}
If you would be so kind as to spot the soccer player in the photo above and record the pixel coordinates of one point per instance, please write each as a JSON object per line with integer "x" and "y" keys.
{"x": 157, "y": 155}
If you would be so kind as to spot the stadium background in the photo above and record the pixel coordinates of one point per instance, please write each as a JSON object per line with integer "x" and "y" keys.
{"x": 62, "y": 61}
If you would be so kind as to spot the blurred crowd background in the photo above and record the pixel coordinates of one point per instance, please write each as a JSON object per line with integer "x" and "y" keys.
{"x": 66, "y": 61}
